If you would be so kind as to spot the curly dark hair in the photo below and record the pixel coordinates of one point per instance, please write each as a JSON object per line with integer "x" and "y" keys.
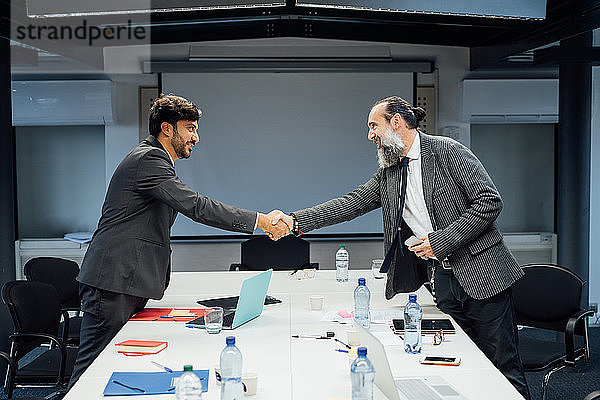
{"x": 397, "y": 105}
{"x": 170, "y": 108}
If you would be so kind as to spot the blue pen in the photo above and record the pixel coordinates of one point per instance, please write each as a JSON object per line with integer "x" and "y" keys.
{"x": 345, "y": 351}
{"x": 161, "y": 366}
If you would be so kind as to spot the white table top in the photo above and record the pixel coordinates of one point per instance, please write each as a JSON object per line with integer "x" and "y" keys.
{"x": 289, "y": 368}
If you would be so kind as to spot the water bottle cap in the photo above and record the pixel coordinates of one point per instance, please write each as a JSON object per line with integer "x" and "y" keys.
{"x": 412, "y": 297}
{"x": 230, "y": 340}
{"x": 188, "y": 368}
{"x": 342, "y": 246}
{"x": 361, "y": 351}
{"x": 362, "y": 281}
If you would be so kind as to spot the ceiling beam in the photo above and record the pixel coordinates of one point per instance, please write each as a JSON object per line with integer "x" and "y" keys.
{"x": 555, "y": 55}
{"x": 564, "y": 19}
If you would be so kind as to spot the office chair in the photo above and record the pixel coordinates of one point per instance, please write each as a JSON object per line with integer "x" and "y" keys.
{"x": 548, "y": 298}
{"x": 61, "y": 274}
{"x": 595, "y": 395}
{"x": 12, "y": 366}
{"x": 288, "y": 253}
{"x": 35, "y": 310}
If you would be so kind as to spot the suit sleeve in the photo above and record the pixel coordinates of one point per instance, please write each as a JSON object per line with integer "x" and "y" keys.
{"x": 156, "y": 177}
{"x": 485, "y": 203}
{"x": 360, "y": 201}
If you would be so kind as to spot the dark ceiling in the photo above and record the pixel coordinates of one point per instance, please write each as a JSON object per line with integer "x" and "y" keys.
{"x": 490, "y": 39}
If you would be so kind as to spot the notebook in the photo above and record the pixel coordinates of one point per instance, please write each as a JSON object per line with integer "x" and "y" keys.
{"x": 148, "y": 383}
{"x": 403, "y": 388}
{"x": 250, "y": 303}
{"x": 140, "y": 347}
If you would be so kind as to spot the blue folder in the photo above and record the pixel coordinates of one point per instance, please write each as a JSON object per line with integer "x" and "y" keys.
{"x": 149, "y": 382}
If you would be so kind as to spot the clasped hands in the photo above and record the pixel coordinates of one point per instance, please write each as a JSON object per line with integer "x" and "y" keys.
{"x": 275, "y": 224}
{"x": 423, "y": 250}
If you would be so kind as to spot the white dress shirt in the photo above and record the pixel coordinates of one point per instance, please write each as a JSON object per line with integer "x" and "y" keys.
{"x": 415, "y": 210}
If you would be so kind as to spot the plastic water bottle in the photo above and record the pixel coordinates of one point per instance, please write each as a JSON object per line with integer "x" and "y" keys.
{"x": 342, "y": 260}
{"x": 231, "y": 371}
{"x": 189, "y": 386}
{"x": 412, "y": 325}
{"x": 362, "y": 300}
{"x": 362, "y": 375}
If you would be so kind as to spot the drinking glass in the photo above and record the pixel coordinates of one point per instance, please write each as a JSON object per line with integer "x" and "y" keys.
{"x": 214, "y": 320}
{"x": 375, "y": 266}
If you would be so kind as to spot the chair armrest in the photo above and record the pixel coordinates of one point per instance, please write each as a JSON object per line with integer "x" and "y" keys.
{"x": 66, "y": 318}
{"x": 76, "y": 309}
{"x": 52, "y": 338}
{"x": 9, "y": 360}
{"x": 570, "y": 334}
{"x": 235, "y": 267}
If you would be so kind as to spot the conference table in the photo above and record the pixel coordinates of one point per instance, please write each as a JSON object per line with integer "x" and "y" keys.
{"x": 287, "y": 367}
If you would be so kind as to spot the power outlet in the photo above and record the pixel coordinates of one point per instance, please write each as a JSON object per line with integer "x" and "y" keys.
{"x": 594, "y": 306}
{"x": 426, "y": 100}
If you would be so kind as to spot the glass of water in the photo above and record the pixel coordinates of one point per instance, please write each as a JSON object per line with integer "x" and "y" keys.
{"x": 214, "y": 320}
{"x": 375, "y": 266}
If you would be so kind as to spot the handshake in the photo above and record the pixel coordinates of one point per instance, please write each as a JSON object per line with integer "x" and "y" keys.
{"x": 275, "y": 224}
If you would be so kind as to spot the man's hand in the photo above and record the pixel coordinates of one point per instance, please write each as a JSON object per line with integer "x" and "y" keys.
{"x": 423, "y": 250}
{"x": 275, "y": 228}
{"x": 281, "y": 216}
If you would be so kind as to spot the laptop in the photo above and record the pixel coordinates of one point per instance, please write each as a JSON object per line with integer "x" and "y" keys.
{"x": 403, "y": 388}
{"x": 249, "y": 306}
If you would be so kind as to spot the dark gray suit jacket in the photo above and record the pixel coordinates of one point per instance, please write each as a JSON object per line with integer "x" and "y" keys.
{"x": 130, "y": 251}
{"x": 463, "y": 204}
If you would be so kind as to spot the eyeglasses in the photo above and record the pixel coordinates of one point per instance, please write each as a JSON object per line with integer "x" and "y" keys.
{"x": 300, "y": 274}
{"x": 438, "y": 337}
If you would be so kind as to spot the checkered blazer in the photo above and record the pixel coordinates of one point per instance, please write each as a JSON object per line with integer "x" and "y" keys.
{"x": 463, "y": 204}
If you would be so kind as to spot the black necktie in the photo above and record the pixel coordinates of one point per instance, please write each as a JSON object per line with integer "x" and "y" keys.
{"x": 392, "y": 250}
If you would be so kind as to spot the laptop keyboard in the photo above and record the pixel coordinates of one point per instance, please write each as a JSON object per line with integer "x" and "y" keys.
{"x": 416, "y": 389}
{"x": 228, "y": 318}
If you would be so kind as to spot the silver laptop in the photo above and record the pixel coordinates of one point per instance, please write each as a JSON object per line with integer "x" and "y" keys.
{"x": 403, "y": 388}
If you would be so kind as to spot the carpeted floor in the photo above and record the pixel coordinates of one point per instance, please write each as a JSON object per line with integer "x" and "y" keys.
{"x": 571, "y": 383}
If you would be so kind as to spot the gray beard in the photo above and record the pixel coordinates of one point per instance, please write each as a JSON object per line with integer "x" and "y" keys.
{"x": 390, "y": 150}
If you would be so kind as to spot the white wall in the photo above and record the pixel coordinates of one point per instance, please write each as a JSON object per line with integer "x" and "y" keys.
{"x": 123, "y": 135}
{"x": 451, "y": 63}
{"x": 594, "y": 278}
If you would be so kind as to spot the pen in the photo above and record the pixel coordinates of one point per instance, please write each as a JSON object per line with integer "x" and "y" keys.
{"x": 328, "y": 335}
{"x": 129, "y": 387}
{"x": 161, "y": 366}
{"x": 344, "y": 344}
{"x": 345, "y": 351}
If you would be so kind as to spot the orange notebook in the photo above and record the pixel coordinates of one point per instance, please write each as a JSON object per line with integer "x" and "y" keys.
{"x": 140, "y": 347}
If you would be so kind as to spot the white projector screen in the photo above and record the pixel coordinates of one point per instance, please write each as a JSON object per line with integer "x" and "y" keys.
{"x": 282, "y": 140}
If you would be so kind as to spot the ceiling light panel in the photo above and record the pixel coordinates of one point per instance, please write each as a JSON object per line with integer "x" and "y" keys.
{"x": 511, "y": 9}
{"x": 70, "y": 8}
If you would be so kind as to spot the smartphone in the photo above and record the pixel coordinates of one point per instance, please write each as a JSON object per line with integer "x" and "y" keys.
{"x": 413, "y": 241}
{"x": 440, "y": 360}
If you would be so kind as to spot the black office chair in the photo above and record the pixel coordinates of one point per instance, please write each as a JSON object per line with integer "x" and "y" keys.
{"x": 548, "y": 298}
{"x": 35, "y": 310}
{"x": 595, "y": 395}
{"x": 61, "y": 274}
{"x": 288, "y": 253}
{"x": 12, "y": 367}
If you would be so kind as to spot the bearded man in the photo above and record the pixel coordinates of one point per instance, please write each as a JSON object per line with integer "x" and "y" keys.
{"x": 129, "y": 258}
{"x": 436, "y": 189}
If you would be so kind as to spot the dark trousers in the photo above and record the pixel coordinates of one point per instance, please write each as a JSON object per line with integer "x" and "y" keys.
{"x": 104, "y": 314}
{"x": 490, "y": 323}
